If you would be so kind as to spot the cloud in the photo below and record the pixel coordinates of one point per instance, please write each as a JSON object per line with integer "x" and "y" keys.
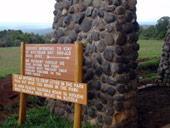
{"x": 42, "y": 10}
{"x": 152, "y": 10}
{"x": 27, "y": 10}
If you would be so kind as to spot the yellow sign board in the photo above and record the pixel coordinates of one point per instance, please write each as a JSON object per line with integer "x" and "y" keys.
{"x": 55, "y": 89}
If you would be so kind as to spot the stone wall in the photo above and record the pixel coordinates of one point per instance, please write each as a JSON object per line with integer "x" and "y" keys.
{"x": 164, "y": 66}
{"x": 107, "y": 28}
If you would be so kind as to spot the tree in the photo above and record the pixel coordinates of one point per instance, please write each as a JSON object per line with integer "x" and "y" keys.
{"x": 141, "y": 29}
{"x": 10, "y": 38}
{"x": 148, "y": 33}
{"x": 161, "y": 27}
{"x": 157, "y": 31}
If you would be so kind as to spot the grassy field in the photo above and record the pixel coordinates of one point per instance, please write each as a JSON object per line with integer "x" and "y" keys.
{"x": 10, "y": 57}
{"x": 150, "y": 48}
{"x": 9, "y": 61}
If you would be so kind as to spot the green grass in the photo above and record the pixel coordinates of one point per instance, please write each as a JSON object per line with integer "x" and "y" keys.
{"x": 41, "y": 118}
{"x": 150, "y": 48}
{"x": 151, "y": 64}
{"x": 150, "y": 69}
{"x": 9, "y": 61}
{"x": 149, "y": 76}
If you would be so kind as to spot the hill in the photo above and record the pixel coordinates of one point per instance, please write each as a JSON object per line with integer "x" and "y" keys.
{"x": 38, "y": 31}
{"x": 36, "y": 28}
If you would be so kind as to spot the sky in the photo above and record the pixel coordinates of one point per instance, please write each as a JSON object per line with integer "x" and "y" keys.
{"x": 152, "y": 10}
{"x": 27, "y": 11}
{"x": 42, "y": 10}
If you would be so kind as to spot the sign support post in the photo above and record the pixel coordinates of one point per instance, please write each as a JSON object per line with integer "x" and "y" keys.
{"x": 23, "y": 96}
{"x": 78, "y": 78}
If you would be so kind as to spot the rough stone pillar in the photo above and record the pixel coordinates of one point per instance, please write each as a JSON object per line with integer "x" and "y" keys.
{"x": 107, "y": 28}
{"x": 164, "y": 66}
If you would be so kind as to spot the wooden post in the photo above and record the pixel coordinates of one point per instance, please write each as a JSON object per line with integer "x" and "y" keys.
{"x": 78, "y": 78}
{"x": 23, "y": 97}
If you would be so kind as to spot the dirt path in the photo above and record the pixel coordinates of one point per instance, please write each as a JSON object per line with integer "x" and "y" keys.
{"x": 8, "y": 99}
{"x": 153, "y": 105}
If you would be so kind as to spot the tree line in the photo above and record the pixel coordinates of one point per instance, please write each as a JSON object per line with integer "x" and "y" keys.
{"x": 10, "y": 38}
{"x": 157, "y": 31}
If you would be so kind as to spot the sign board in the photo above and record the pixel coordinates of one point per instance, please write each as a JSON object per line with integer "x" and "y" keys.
{"x": 41, "y": 65}
{"x": 55, "y": 89}
{"x": 50, "y": 61}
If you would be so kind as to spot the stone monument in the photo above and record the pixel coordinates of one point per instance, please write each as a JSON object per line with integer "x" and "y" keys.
{"x": 107, "y": 29}
{"x": 164, "y": 66}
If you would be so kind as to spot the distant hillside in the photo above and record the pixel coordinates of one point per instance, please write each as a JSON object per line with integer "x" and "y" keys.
{"x": 145, "y": 26}
{"x": 37, "y": 28}
{"x": 38, "y": 31}
{"x": 147, "y": 23}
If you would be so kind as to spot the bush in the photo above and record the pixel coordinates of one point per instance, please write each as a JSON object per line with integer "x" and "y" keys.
{"x": 152, "y": 64}
{"x": 11, "y": 38}
{"x": 41, "y": 118}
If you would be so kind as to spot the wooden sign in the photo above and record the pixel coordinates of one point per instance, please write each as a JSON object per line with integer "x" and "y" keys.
{"x": 50, "y": 61}
{"x": 41, "y": 64}
{"x": 55, "y": 89}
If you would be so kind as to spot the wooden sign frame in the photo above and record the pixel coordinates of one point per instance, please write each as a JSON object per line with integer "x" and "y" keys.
{"x": 77, "y": 78}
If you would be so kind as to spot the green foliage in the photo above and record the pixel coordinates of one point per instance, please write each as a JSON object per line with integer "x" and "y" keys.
{"x": 41, "y": 118}
{"x": 10, "y": 108}
{"x": 148, "y": 33}
{"x": 161, "y": 27}
{"x": 10, "y": 38}
{"x": 157, "y": 31}
{"x": 152, "y": 64}
{"x": 35, "y": 100}
{"x": 150, "y": 69}
{"x": 149, "y": 75}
